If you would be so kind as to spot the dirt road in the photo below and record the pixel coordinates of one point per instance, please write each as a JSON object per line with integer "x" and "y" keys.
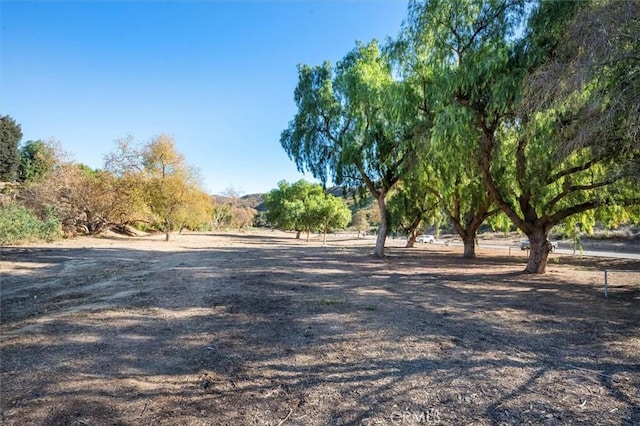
{"x": 246, "y": 329}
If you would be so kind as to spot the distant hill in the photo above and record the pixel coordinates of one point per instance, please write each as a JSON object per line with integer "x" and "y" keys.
{"x": 257, "y": 201}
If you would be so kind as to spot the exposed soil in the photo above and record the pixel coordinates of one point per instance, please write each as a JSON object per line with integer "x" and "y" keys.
{"x": 244, "y": 329}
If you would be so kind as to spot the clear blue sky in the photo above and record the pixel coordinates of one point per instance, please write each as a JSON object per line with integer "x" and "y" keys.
{"x": 217, "y": 76}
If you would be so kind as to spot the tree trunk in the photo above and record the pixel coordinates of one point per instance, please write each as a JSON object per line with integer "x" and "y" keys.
{"x": 298, "y": 233}
{"x": 383, "y": 230}
{"x": 167, "y": 230}
{"x": 539, "y": 250}
{"x": 468, "y": 234}
{"x": 324, "y": 237}
{"x": 413, "y": 230}
{"x": 308, "y": 235}
{"x": 469, "y": 242}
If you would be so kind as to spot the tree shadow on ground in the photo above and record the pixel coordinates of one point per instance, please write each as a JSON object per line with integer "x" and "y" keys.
{"x": 243, "y": 335}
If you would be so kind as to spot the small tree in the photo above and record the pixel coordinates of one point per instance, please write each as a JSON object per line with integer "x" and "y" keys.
{"x": 37, "y": 159}
{"x": 328, "y": 213}
{"x": 360, "y": 222}
{"x": 158, "y": 176}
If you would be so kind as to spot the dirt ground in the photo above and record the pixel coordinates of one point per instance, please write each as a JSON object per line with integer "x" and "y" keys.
{"x": 244, "y": 329}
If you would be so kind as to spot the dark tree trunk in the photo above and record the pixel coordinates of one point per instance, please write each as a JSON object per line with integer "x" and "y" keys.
{"x": 468, "y": 234}
{"x": 539, "y": 250}
{"x": 469, "y": 242}
{"x": 413, "y": 230}
{"x": 298, "y": 233}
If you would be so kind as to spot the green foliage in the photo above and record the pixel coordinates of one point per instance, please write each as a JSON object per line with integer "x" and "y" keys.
{"x": 10, "y": 135}
{"x": 413, "y": 205}
{"x": 355, "y": 124}
{"x": 37, "y": 159}
{"x": 514, "y": 102}
{"x": 303, "y": 206}
{"x": 327, "y": 213}
{"x": 360, "y": 221}
{"x": 350, "y": 125}
{"x": 19, "y": 224}
{"x": 286, "y": 204}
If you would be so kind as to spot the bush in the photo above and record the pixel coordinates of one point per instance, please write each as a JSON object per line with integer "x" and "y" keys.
{"x": 19, "y": 224}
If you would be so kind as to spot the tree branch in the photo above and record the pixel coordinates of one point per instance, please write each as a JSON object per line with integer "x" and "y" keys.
{"x": 575, "y": 188}
{"x": 589, "y": 205}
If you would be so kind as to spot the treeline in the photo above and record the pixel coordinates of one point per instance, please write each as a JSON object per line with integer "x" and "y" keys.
{"x": 515, "y": 113}
{"x": 146, "y": 186}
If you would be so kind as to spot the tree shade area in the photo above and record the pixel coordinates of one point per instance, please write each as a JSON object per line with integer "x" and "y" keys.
{"x": 503, "y": 113}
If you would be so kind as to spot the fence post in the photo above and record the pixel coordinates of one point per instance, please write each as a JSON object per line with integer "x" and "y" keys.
{"x": 606, "y": 284}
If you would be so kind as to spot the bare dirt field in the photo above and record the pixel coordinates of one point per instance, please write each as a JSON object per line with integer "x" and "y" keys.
{"x": 244, "y": 329}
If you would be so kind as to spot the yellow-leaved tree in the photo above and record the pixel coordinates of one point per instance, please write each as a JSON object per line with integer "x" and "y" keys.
{"x": 172, "y": 185}
{"x": 170, "y": 188}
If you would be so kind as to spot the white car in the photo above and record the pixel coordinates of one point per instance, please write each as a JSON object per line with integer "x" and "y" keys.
{"x": 426, "y": 239}
{"x": 526, "y": 245}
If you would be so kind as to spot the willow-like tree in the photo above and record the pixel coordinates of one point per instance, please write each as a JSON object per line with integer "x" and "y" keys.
{"x": 351, "y": 126}
{"x": 412, "y": 206}
{"x": 533, "y": 172}
{"x": 433, "y": 49}
{"x": 575, "y": 142}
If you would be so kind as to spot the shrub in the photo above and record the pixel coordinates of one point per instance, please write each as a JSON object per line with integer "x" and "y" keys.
{"x": 19, "y": 224}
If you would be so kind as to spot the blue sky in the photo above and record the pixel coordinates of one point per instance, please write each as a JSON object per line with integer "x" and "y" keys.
{"x": 217, "y": 76}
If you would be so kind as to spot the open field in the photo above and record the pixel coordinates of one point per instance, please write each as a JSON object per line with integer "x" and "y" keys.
{"x": 244, "y": 329}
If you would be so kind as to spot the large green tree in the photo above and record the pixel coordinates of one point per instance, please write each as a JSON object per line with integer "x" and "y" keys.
{"x": 352, "y": 126}
{"x": 434, "y": 48}
{"x": 10, "y": 135}
{"x": 530, "y": 162}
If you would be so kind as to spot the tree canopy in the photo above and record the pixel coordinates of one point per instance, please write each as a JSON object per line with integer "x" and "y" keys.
{"x": 10, "y": 136}
{"x": 306, "y": 207}
{"x": 350, "y": 125}
{"x": 530, "y": 109}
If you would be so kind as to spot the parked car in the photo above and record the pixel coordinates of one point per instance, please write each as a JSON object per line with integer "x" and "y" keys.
{"x": 426, "y": 239}
{"x": 526, "y": 245}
